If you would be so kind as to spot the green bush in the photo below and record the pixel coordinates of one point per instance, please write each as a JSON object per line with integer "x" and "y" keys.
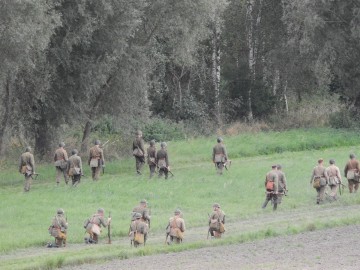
{"x": 163, "y": 130}
{"x": 342, "y": 119}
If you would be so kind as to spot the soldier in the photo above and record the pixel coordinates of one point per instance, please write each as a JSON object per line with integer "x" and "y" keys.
{"x": 351, "y": 171}
{"x": 162, "y": 159}
{"x": 151, "y": 157}
{"x": 282, "y": 187}
{"x": 219, "y": 155}
{"x": 216, "y": 222}
{"x": 176, "y": 228}
{"x": 96, "y": 160}
{"x": 138, "y": 230}
{"x": 139, "y": 151}
{"x": 93, "y": 225}
{"x": 75, "y": 167}
{"x": 333, "y": 178}
{"x": 61, "y": 158}
{"x": 27, "y": 167}
{"x": 143, "y": 210}
{"x": 272, "y": 187}
{"x": 319, "y": 179}
{"x": 58, "y": 229}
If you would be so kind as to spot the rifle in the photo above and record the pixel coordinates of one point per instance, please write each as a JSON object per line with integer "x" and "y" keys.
{"x": 102, "y": 166}
{"x": 36, "y": 175}
{"x": 341, "y": 188}
{"x": 225, "y": 164}
{"x": 167, "y": 234}
{"x": 208, "y": 233}
{"x": 109, "y": 236}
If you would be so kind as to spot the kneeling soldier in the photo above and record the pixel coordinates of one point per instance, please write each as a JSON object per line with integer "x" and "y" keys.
{"x": 176, "y": 228}
{"x": 93, "y": 225}
{"x": 58, "y": 229}
{"x": 216, "y": 222}
{"x": 138, "y": 230}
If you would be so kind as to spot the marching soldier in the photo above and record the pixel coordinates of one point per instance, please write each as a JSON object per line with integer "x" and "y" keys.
{"x": 60, "y": 159}
{"x": 162, "y": 159}
{"x": 151, "y": 157}
{"x": 176, "y": 228}
{"x": 96, "y": 160}
{"x": 272, "y": 187}
{"x": 216, "y": 222}
{"x": 220, "y": 155}
{"x": 93, "y": 225}
{"x": 352, "y": 169}
{"x": 27, "y": 167}
{"x": 75, "y": 167}
{"x": 58, "y": 229}
{"x": 318, "y": 178}
{"x": 333, "y": 178}
{"x": 138, "y": 151}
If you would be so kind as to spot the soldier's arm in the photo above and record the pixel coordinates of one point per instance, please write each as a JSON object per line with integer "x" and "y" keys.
{"x": 276, "y": 183}
{"x": 346, "y": 169}
{"x": 167, "y": 159}
{"x": 89, "y": 157}
{"x": 80, "y": 165}
{"x": 66, "y": 156}
{"x": 225, "y": 152}
{"x": 182, "y": 226}
{"x": 142, "y": 147}
{"x": 284, "y": 180}
{"x": 338, "y": 174}
{"x": 32, "y": 163}
{"x": 102, "y": 157}
{"x": 312, "y": 176}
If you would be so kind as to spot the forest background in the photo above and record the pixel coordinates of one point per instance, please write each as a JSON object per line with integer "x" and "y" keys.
{"x": 78, "y": 70}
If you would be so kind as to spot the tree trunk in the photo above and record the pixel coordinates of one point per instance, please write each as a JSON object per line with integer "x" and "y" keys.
{"x": 4, "y": 121}
{"x": 251, "y": 55}
{"x": 86, "y": 136}
{"x": 216, "y": 69}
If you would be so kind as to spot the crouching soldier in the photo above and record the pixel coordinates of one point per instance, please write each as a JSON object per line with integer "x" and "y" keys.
{"x": 216, "y": 222}
{"x": 176, "y": 228}
{"x": 138, "y": 230}
{"x": 93, "y": 226}
{"x": 58, "y": 229}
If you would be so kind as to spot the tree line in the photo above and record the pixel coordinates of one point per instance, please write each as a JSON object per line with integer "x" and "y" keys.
{"x": 70, "y": 63}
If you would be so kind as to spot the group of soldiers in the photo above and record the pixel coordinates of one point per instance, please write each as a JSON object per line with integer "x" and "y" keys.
{"x": 139, "y": 226}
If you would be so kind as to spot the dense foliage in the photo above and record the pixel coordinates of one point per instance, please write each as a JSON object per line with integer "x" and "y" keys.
{"x": 70, "y": 64}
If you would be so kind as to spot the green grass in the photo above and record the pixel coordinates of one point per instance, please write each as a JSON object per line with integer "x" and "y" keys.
{"x": 26, "y": 216}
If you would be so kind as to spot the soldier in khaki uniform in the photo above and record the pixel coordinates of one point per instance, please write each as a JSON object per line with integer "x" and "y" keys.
{"x": 58, "y": 229}
{"x": 282, "y": 186}
{"x": 162, "y": 159}
{"x": 176, "y": 228}
{"x": 351, "y": 171}
{"x": 139, "y": 151}
{"x": 219, "y": 155}
{"x": 333, "y": 178}
{"x": 319, "y": 176}
{"x": 272, "y": 187}
{"x": 27, "y": 167}
{"x": 96, "y": 160}
{"x": 60, "y": 159}
{"x": 74, "y": 168}
{"x": 151, "y": 157}
{"x": 138, "y": 230}
{"x": 93, "y": 226}
{"x": 143, "y": 210}
{"x": 216, "y": 221}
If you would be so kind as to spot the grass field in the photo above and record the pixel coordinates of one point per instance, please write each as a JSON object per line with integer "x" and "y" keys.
{"x": 195, "y": 187}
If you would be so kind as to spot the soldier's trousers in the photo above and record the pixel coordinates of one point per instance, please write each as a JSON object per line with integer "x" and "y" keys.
{"x": 95, "y": 172}
{"x": 320, "y": 194}
{"x": 61, "y": 239}
{"x": 27, "y": 183}
{"x": 75, "y": 179}
{"x": 59, "y": 173}
{"x": 139, "y": 162}
{"x": 163, "y": 171}
{"x": 219, "y": 167}
{"x": 333, "y": 192}
{"x": 152, "y": 170}
{"x": 271, "y": 197}
{"x": 175, "y": 239}
{"x": 353, "y": 185}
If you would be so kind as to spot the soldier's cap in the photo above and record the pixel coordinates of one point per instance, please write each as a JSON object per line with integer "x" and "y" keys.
{"x": 274, "y": 166}
{"x": 60, "y": 211}
{"x": 163, "y": 144}
{"x": 219, "y": 139}
{"x": 216, "y": 205}
{"x": 152, "y": 142}
{"x": 279, "y": 166}
{"x": 100, "y": 210}
{"x": 320, "y": 160}
{"x": 74, "y": 152}
{"x": 97, "y": 142}
{"x": 177, "y": 212}
{"x": 62, "y": 144}
{"x": 138, "y": 132}
{"x": 143, "y": 201}
{"x": 28, "y": 149}
{"x": 332, "y": 161}
{"x": 137, "y": 215}
{"x": 352, "y": 156}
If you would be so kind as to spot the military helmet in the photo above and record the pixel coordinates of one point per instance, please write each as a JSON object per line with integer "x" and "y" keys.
{"x": 143, "y": 201}
{"x": 62, "y": 144}
{"x": 97, "y": 142}
{"x": 138, "y": 215}
{"x": 60, "y": 211}
{"x": 352, "y": 156}
{"x": 332, "y": 161}
{"x": 273, "y": 166}
{"x": 177, "y": 212}
{"x": 74, "y": 152}
{"x": 28, "y": 149}
{"x": 101, "y": 210}
{"x": 216, "y": 205}
{"x": 219, "y": 139}
{"x": 279, "y": 166}
{"x": 163, "y": 144}
{"x": 152, "y": 142}
{"x": 138, "y": 132}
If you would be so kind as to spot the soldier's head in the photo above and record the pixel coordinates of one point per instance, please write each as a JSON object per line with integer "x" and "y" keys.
{"x": 97, "y": 142}
{"x": 60, "y": 211}
{"x": 138, "y": 133}
{"x": 320, "y": 161}
{"x": 274, "y": 167}
{"x": 163, "y": 145}
{"x": 143, "y": 202}
{"x": 332, "y": 161}
{"x": 62, "y": 144}
{"x": 352, "y": 156}
{"x": 152, "y": 142}
{"x": 219, "y": 139}
{"x": 177, "y": 212}
{"x": 101, "y": 211}
{"x": 279, "y": 167}
{"x": 74, "y": 152}
{"x": 28, "y": 149}
{"x": 216, "y": 206}
{"x": 137, "y": 215}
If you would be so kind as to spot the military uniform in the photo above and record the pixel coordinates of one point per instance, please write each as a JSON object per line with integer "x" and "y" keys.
{"x": 176, "y": 228}
{"x": 216, "y": 222}
{"x": 58, "y": 229}
{"x": 138, "y": 226}
{"x": 143, "y": 210}
{"x": 219, "y": 156}
{"x": 319, "y": 175}
{"x": 351, "y": 171}
{"x": 27, "y": 167}
{"x": 162, "y": 159}
{"x": 60, "y": 159}
{"x": 96, "y": 160}
{"x": 75, "y": 168}
{"x": 282, "y": 187}
{"x": 138, "y": 143}
{"x": 151, "y": 158}
{"x": 272, "y": 187}
{"x": 93, "y": 226}
{"x": 333, "y": 178}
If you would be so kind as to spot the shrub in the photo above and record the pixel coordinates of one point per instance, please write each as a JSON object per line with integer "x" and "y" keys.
{"x": 163, "y": 130}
